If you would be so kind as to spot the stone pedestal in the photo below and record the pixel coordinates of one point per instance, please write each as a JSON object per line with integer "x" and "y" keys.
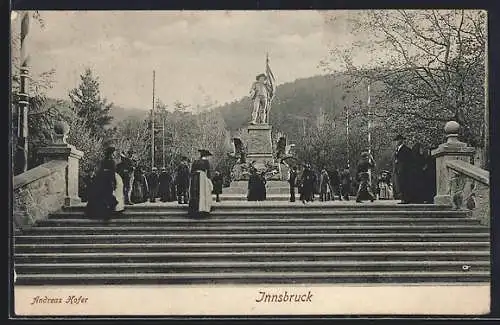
{"x": 259, "y": 145}
{"x": 68, "y": 153}
{"x": 452, "y": 149}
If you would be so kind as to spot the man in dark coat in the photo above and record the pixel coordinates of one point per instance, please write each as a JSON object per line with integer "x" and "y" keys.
{"x": 218, "y": 182}
{"x": 182, "y": 181}
{"x": 126, "y": 170}
{"x": 402, "y": 170}
{"x": 153, "y": 182}
{"x": 292, "y": 180}
{"x": 164, "y": 186}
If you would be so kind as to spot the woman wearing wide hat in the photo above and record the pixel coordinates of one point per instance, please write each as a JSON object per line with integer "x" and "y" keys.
{"x": 200, "y": 198}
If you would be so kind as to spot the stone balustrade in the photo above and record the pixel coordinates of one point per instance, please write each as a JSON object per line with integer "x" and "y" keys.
{"x": 470, "y": 189}
{"x": 459, "y": 183}
{"x": 45, "y": 189}
{"x": 38, "y": 192}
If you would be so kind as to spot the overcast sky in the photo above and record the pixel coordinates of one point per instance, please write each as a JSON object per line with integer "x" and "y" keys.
{"x": 195, "y": 54}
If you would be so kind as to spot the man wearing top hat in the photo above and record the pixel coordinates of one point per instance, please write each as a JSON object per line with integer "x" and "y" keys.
{"x": 182, "y": 181}
{"x": 259, "y": 93}
{"x": 402, "y": 171}
{"x": 126, "y": 171}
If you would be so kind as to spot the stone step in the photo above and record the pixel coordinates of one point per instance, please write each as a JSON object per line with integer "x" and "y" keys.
{"x": 156, "y": 257}
{"x": 228, "y": 215}
{"x": 293, "y": 221}
{"x": 286, "y": 206}
{"x": 245, "y": 250}
{"x": 252, "y": 266}
{"x": 241, "y": 238}
{"x": 259, "y": 229}
{"x": 253, "y": 277}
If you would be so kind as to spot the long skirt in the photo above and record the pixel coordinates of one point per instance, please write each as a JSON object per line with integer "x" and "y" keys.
{"x": 119, "y": 195}
{"x": 200, "y": 200}
{"x": 103, "y": 199}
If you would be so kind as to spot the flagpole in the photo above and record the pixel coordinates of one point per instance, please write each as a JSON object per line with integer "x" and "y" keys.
{"x": 369, "y": 132}
{"x": 163, "y": 137}
{"x": 369, "y": 123}
{"x": 153, "y": 125}
{"x": 347, "y": 134}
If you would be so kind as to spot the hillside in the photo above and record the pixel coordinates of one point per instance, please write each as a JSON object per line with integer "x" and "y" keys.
{"x": 118, "y": 113}
{"x": 298, "y": 104}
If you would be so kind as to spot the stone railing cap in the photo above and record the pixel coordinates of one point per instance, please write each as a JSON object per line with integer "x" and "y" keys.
{"x": 37, "y": 173}
{"x": 470, "y": 170}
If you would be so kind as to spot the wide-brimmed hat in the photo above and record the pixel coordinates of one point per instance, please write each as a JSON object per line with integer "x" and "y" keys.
{"x": 365, "y": 154}
{"x": 399, "y": 137}
{"x": 154, "y": 168}
{"x": 260, "y": 75}
{"x": 204, "y": 153}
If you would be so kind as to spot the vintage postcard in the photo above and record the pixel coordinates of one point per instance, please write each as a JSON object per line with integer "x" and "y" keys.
{"x": 208, "y": 163}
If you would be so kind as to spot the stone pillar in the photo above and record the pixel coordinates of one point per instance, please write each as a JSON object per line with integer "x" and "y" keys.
{"x": 452, "y": 149}
{"x": 61, "y": 150}
{"x": 259, "y": 144}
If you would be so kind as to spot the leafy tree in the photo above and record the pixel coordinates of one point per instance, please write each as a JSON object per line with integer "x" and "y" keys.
{"x": 92, "y": 146}
{"x": 89, "y": 105}
{"x": 430, "y": 69}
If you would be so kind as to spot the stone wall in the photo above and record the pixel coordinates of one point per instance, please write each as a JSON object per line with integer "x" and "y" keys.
{"x": 470, "y": 190}
{"x": 38, "y": 192}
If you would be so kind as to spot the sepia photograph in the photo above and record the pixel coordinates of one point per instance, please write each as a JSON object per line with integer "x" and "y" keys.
{"x": 272, "y": 162}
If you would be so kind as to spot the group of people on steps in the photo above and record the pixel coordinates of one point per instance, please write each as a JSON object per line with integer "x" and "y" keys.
{"x": 116, "y": 185}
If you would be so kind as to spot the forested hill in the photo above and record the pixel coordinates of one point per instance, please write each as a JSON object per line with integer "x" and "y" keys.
{"x": 297, "y": 104}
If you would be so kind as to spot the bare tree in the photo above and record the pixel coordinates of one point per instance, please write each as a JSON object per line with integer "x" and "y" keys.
{"x": 429, "y": 66}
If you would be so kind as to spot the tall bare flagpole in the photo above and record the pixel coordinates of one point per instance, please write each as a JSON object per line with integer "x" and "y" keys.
{"x": 347, "y": 134}
{"x": 369, "y": 131}
{"x": 369, "y": 122}
{"x": 163, "y": 137}
{"x": 153, "y": 126}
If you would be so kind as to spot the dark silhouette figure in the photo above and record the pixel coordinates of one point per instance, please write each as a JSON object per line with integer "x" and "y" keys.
{"x": 218, "y": 182}
{"x": 154, "y": 183}
{"x": 402, "y": 170}
{"x": 292, "y": 181}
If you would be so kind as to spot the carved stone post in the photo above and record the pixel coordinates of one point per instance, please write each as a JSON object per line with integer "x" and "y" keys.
{"x": 452, "y": 149}
{"x": 61, "y": 150}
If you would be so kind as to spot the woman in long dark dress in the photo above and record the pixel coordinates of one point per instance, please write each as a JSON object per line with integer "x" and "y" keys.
{"x": 417, "y": 175}
{"x": 200, "y": 189}
{"x": 253, "y": 186}
{"x": 102, "y": 202}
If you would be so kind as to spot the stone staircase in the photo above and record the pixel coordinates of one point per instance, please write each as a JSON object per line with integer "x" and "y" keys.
{"x": 257, "y": 242}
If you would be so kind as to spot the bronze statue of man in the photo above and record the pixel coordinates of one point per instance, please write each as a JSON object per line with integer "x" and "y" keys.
{"x": 260, "y": 93}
